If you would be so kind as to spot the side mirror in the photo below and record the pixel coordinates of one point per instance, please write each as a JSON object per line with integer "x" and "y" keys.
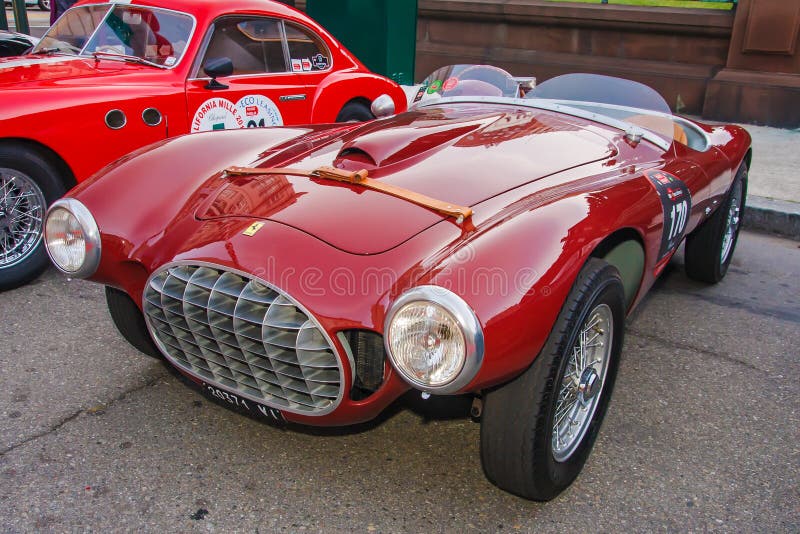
{"x": 215, "y": 68}
{"x": 383, "y": 106}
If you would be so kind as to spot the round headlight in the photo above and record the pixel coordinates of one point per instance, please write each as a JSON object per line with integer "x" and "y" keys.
{"x": 434, "y": 339}
{"x": 72, "y": 238}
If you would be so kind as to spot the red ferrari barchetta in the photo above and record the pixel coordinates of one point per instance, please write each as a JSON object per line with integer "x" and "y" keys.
{"x": 483, "y": 243}
{"x": 111, "y": 76}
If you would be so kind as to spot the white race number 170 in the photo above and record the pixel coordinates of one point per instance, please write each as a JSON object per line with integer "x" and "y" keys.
{"x": 678, "y": 218}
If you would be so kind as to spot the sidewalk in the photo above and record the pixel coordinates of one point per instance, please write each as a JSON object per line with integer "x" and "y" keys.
{"x": 773, "y": 196}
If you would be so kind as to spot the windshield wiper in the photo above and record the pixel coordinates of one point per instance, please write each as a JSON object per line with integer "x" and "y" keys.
{"x": 123, "y": 57}
{"x": 47, "y": 51}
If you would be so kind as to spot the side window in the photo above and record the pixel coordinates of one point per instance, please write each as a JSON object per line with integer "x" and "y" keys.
{"x": 254, "y": 45}
{"x": 307, "y": 50}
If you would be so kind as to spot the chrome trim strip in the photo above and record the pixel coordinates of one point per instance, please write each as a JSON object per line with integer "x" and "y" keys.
{"x": 470, "y": 327}
{"x": 281, "y": 292}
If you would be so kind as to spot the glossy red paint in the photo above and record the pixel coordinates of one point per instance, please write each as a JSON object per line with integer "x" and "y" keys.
{"x": 542, "y": 205}
{"x": 58, "y": 103}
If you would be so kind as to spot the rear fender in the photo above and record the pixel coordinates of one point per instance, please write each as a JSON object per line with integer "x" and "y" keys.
{"x": 342, "y": 87}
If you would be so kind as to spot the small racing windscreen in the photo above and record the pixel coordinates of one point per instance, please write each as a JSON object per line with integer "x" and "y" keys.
{"x": 469, "y": 80}
{"x": 624, "y": 100}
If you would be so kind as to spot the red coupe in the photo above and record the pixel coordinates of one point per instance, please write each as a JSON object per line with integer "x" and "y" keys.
{"x": 111, "y": 77}
{"x": 482, "y": 243}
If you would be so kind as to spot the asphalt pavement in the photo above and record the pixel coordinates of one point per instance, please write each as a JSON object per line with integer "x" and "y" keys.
{"x": 703, "y": 431}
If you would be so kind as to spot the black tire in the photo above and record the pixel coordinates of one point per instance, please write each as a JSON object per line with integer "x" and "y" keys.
{"x": 130, "y": 322}
{"x": 44, "y": 5}
{"x": 355, "y": 112}
{"x": 34, "y": 168}
{"x": 517, "y": 424}
{"x": 708, "y": 252}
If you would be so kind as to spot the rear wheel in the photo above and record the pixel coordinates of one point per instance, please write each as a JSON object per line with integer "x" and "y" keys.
{"x": 129, "y": 321}
{"x": 709, "y": 249}
{"x": 28, "y": 184}
{"x": 538, "y": 430}
{"x": 355, "y": 112}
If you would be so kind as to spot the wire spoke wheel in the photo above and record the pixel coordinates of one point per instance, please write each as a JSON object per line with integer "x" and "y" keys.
{"x": 22, "y": 206}
{"x": 582, "y": 382}
{"x": 732, "y": 222}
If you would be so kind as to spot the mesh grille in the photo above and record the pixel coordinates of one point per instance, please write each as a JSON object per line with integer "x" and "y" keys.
{"x": 242, "y": 335}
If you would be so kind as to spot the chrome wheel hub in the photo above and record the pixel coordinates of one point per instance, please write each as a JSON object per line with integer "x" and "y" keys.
{"x": 22, "y": 206}
{"x": 732, "y": 222}
{"x": 589, "y": 385}
{"x": 582, "y": 384}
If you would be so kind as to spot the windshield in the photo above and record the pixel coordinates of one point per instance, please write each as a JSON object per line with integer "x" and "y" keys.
{"x": 152, "y": 35}
{"x": 470, "y": 80}
{"x": 623, "y": 104}
{"x": 619, "y": 99}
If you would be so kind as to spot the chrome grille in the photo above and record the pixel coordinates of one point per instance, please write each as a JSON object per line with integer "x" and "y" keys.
{"x": 243, "y": 335}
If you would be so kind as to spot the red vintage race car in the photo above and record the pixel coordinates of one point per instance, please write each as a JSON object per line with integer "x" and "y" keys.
{"x": 111, "y": 77}
{"x": 479, "y": 244}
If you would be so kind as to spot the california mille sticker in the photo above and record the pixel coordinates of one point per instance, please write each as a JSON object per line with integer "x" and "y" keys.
{"x": 676, "y": 201}
{"x": 216, "y": 114}
{"x": 251, "y": 111}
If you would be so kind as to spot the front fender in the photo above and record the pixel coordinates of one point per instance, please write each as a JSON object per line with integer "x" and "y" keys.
{"x": 137, "y": 198}
{"x": 71, "y": 121}
{"x": 516, "y": 270}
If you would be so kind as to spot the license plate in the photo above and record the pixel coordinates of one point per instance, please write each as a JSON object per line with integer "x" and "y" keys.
{"x": 259, "y": 410}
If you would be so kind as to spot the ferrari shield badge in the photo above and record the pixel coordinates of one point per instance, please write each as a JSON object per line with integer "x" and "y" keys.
{"x": 253, "y": 229}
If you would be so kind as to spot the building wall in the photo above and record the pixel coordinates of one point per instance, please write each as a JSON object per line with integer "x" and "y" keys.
{"x": 676, "y": 51}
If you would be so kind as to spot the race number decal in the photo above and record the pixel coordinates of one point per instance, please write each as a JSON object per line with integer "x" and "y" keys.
{"x": 676, "y": 200}
{"x": 258, "y": 111}
{"x": 216, "y": 114}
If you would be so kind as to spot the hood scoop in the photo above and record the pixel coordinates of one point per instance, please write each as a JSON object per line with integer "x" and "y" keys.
{"x": 382, "y": 148}
{"x": 354, "y": 157}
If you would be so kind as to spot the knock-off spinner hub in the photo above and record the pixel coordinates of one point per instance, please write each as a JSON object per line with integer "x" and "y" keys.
{"x": 589, "y": 385}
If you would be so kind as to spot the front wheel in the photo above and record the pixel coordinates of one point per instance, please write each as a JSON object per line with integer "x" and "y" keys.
{"x": 538, "y": 430}
{"x": 28, "y": 184}
{"x": 709, "y": 249}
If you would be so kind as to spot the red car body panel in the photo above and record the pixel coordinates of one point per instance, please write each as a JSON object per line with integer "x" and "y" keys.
{"x": 537, "y": 219}
{"x": 58, "y": 103}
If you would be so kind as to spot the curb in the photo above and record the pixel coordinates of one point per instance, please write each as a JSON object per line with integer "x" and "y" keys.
{"x": 778, "y": 217}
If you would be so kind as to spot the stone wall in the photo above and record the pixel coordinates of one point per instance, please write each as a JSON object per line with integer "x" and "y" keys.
{"x": 676, "y": 51}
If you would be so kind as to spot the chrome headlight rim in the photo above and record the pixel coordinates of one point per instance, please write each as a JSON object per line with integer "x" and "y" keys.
{"x": 465, "y": 318}
{"x": 91, "y": 235}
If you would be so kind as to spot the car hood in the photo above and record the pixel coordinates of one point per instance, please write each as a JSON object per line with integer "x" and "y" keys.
{"x": 44, "y": 70}
{"x": 458, "y": 154}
